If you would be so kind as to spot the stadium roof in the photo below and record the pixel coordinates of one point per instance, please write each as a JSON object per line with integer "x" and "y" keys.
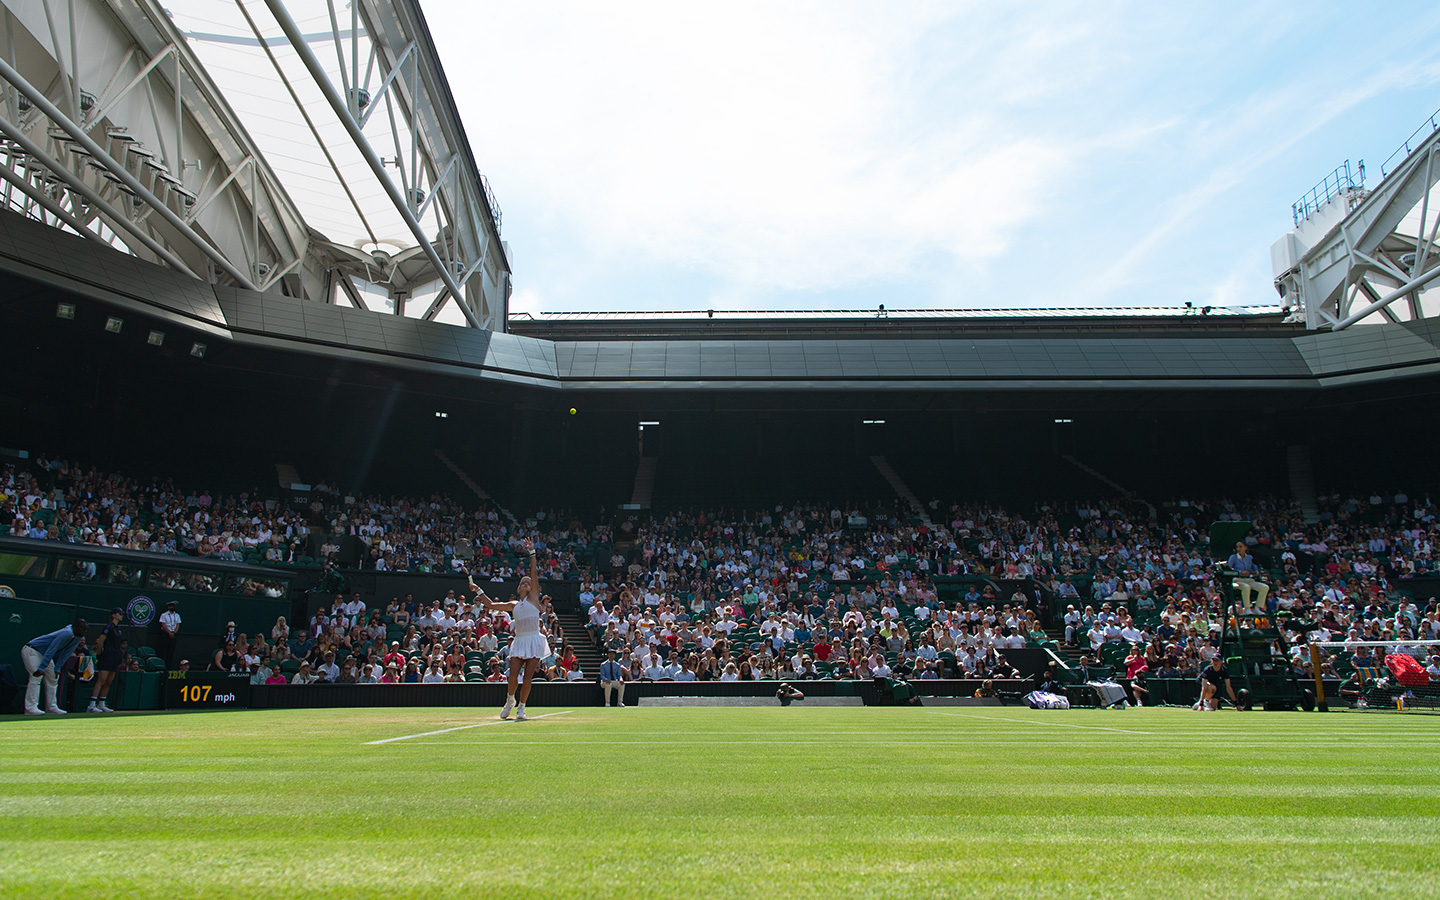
{"x": 1217, "y": 353}
{"x": 298, "y": 147}
{"x": 249, "y": 58}
{"x": 882, "y": 312}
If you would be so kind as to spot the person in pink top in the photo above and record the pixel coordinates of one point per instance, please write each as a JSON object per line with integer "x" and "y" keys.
{"x": 1135, "y": 662}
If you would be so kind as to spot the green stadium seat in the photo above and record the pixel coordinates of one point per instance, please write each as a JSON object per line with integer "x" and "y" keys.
{"x": 154, "y": 664}
{"x": 144, "y": 652}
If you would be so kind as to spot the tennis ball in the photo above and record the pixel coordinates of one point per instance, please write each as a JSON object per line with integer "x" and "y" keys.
{"x": 572, "y": 410}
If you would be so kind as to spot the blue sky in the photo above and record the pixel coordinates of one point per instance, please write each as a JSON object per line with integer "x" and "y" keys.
{"x": 842, "y": 155}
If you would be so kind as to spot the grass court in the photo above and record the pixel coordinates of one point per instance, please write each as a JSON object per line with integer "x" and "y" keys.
{"x": 669, "y": 803}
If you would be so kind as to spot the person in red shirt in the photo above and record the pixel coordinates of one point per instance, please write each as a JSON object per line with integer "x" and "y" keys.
{"x": 568, "y": 660}
{"x": 823, "y": 649}
{"x": 394, "y": 657}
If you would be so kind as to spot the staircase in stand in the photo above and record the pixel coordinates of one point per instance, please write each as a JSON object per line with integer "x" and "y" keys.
{"x": 1107, "y": 480}
{"x": 572, "y": 622}
{"x": 644, "y": 482}
{"x": 1071, "y": 655}
{"x": 902, "y": 490}
{"x": 469, "y": 482}
{"x": 287, "y": 475}
{"x": 1302, "y": 482}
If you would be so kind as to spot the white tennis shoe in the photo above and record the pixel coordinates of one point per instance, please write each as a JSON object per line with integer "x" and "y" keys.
{"x": 520, "y": 713}
{"x": 509, "y": 705}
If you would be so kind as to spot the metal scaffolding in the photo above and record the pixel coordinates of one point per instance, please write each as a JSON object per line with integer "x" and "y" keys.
{"x": 1355, "y": 254}
{"x": 211, "y": 138}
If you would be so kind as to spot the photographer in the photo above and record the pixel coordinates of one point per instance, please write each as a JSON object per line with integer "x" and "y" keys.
{"x": 787, "y": 694}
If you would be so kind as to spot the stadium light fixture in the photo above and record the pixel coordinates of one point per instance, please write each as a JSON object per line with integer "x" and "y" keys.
{"x": 197, "y": 350}
{"x": 64, "y": 310}
{"x": 156, "y": 339}
{"x": 1064, "y": 421}
{"x": 442, "y": 415}
{"x": 643, "y": 424}
{"x": 872, "y": 421}
{"x": 114, "y": 324}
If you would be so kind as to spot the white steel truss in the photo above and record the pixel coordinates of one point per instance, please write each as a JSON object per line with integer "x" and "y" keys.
{"x": 123, "y": 124}
{"x": 1355, "y": 254}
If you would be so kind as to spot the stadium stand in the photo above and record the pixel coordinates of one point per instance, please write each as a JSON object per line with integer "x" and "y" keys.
{"x": 837, "y": 591}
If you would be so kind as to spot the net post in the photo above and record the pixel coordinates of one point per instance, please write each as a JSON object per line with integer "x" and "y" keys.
{"x": 1320, "y": 704}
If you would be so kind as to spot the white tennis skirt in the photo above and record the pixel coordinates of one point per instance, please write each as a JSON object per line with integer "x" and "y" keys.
{"x": 531, "y": 646}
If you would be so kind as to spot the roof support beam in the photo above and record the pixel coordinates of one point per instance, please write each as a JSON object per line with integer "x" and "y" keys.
{"x": 200, "y": 207}
{"x": 99, "y": 114}
{"x": 341, "y": 108}
{"x": 433, "y": 309}
{"x": 348, "y": 287}
{"x": 42, "y": 102}
{"x": 385, "y": 85}
{"x": 48, "y": 203}
{"x": 79, "y": 186}
{"x": 1414, "y": 284}
{"x": 304, "y": 114}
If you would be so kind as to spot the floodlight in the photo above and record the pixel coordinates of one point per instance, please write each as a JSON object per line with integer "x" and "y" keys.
{"x": 114, "y": 324}
{"x": 64, "y": 310}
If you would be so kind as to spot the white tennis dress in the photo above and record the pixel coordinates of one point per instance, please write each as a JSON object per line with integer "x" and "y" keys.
{"x": 527, "y": 642}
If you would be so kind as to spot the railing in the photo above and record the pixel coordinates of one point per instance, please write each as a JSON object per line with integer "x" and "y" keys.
{"x": 1339, "y": 180}
{"x": 1427, "y": 128}
{"x": 491, "y": 202}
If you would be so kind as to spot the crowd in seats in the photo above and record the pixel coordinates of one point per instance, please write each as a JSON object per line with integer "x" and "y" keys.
{"x": 59, "y": 500}
{"x": 794, "y": 591}
{"x": 450, "y": 639}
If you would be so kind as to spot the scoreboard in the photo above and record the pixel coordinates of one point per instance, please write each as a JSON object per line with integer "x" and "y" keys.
{"x": 207, "y": 690}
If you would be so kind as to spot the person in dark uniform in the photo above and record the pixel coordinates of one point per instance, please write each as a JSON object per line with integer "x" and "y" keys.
{"x": 108, "y": 656}
{"x": 1212, "y": 678}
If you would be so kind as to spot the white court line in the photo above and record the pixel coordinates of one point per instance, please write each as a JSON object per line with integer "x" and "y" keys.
{"x": 1043, "y": 724}
{"x": 461, "y": 728}
{"x": 968, "y": 741}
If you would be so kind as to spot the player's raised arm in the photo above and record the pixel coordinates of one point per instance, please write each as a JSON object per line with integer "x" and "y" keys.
{"x": 534, "y": 574}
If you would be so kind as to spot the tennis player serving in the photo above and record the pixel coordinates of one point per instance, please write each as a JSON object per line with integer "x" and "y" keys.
{"x": 527, "y": 645}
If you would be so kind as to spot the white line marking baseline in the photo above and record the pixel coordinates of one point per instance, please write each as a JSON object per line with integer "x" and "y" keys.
{"x": 462, "y": 728}
{"x": 956, "y": 741}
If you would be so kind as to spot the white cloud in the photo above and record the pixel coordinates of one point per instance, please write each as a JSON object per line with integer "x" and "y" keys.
{"x": 776, "y": 145}
{"x": 745, "y": 153}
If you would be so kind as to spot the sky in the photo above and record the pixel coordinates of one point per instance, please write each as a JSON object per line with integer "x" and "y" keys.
{"x": 843, "y": 155}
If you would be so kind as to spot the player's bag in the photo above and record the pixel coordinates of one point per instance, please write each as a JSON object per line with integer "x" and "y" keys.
{"x": 1046, "y": 700}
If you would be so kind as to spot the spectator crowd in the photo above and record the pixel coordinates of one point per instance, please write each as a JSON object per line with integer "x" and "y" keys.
{"x": 794, "y": 592}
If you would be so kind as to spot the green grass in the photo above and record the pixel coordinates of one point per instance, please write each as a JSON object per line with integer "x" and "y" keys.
{"x": 717, "y": 803}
